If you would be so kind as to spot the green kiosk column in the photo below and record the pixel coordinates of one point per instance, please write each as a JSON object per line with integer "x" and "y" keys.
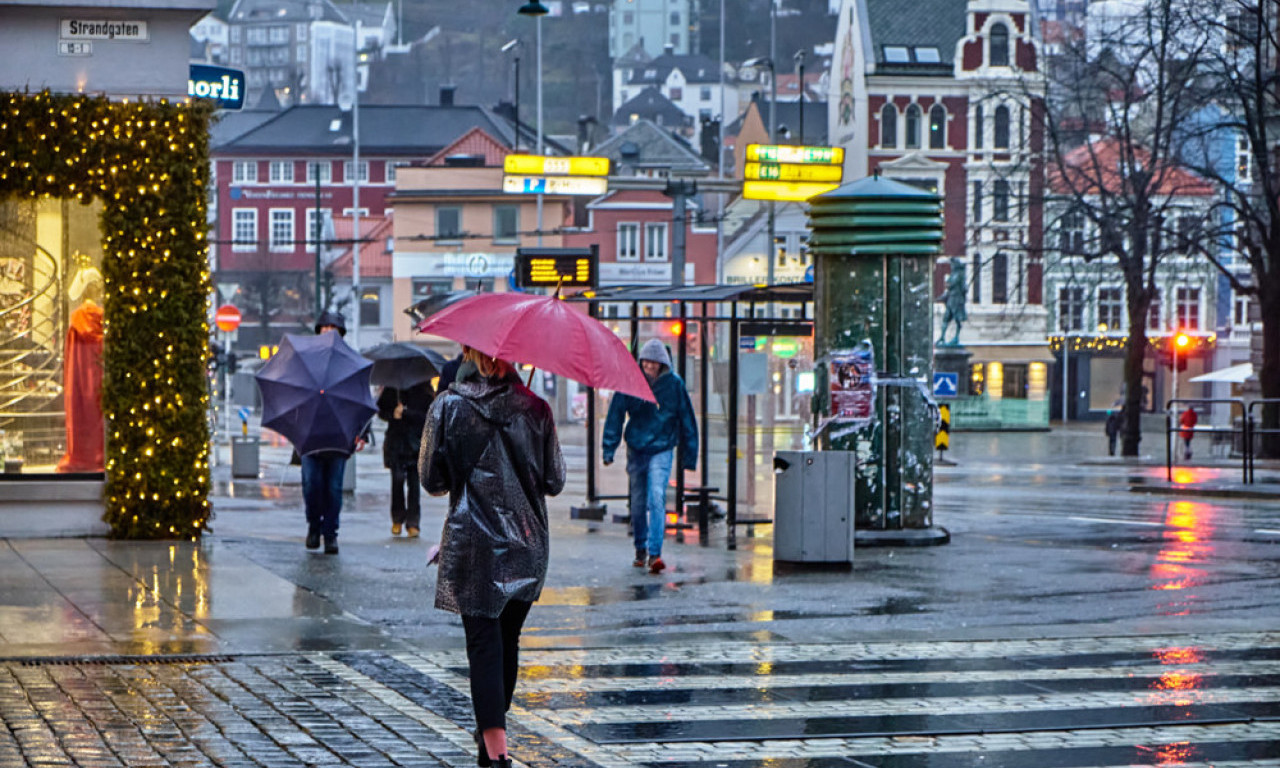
{"x": 874, "y": 243}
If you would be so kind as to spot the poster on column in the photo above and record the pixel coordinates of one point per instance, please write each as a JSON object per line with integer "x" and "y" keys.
{"x": 853, "y": 392}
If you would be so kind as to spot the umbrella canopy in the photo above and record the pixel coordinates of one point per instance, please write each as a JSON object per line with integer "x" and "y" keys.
{"x": 315, "y": 392}
{"x": 435, "y": 302}
{"x": 1235, "y": 374}
{"x": 401, "y": 365}
{"x": 545, "y": 332}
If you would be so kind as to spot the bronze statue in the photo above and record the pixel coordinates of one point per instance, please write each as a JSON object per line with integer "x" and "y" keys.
{"x": 954, "y": 298}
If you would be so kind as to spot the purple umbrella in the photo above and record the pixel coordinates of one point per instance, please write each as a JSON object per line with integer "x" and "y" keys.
{"x": 315, "y": 392}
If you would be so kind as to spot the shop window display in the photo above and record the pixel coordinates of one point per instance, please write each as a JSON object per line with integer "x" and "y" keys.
{"x": 51, "y": 337}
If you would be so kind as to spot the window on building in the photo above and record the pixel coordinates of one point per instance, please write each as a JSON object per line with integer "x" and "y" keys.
{"x": 370, "y": 307}
{"x": 1111, "y": 308}
{"x": 675, "y": 40}
{"x": 390, "y": 171}
{"x": 364, "y": 172}
{"x": 1015, "y": 381}
{"x": 927, "y": 54}
{"x": 1000, "y": 200}
{"x": 1001, "y": 137}
{"x": 677, "y": 94}
{"x": 244, "y": 172}
{"x": 255, "y": 35}
{"x": 979, "y": 127}
{"x": 1244, "y": 159}
{"x": 1240, "y": 311}
{"x": 1070, "y": 309}
{"x": 278, "y": 35}
{"x": 244, "y": 229}
{"x": 897, "y": 54}
{"x": 282, "y": 229}
{"x": 999, "y": 42}
{"x": 655, "y": 242}
{"x": 1000, "y": 278}
{"x": 326, "y": 228}
{"x": 628, "y": 17}
{"x": 324, "y": 169}
{"x": 281, "y": 171}
{"x": 977, "y": 202}
{"x": 448, "y": 223}
{"x": 1071, "y": 232}
{"x": 704, "y": 93}
{"x": 1188, "y": 308}
{"x": 889, "y": 126}
{"x": 780, "y": 250}
{"x": 300, "y": 31}
{"x": 937, "y": 127}
{"x": 628, "y": 242}
{"x": 977, "y": 278}
{"x": 675, "y": 18}
{"x": 506, "y": 224}
{"x": 235, "y": 34}
{"x": 913, "y": 126}
{"x": 1155, "y": 313}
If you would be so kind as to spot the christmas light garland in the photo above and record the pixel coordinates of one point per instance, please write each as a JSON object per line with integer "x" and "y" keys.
{"x": 148, "y": 163}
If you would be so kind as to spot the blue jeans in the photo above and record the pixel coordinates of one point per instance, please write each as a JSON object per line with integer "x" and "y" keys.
{"x": 648, "y": 474}
{"x": 322, "y": 491}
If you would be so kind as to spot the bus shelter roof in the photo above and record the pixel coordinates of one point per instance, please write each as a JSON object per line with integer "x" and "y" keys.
{"x": 783, "y": 293}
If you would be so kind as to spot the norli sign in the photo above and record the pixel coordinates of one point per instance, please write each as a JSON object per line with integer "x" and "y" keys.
{"x": 225, "y": 86}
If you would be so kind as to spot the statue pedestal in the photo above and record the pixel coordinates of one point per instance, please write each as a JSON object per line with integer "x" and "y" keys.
{"x": 953, "y": 359}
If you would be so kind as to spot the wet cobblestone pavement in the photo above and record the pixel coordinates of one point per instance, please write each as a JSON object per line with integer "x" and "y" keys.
{"x": 1178, "y": 700}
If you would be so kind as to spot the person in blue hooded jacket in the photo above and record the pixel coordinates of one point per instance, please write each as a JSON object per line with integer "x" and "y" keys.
{"x": 652, "y": 433}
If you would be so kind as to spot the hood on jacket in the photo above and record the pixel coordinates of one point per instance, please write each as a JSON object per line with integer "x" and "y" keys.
{"x": 489, "y": 396}
{"x": 334, "y": 319}
{"x": 655, "y": 351}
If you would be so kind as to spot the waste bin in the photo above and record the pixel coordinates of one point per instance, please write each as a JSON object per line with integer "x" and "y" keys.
{"x": 244, "y": 456}
{"x": 813, "y": 507}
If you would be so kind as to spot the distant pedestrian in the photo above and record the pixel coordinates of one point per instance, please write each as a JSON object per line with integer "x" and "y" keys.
{"x": 491, "y": 445}
{"x": 405, "y": 411}
{"x": 1115, "y": 423}
{"x": 1187, "y": 421}
{"x": 449, "y": 373}
{"x": 322, "y": 471}
{"x": 652, "y": 433}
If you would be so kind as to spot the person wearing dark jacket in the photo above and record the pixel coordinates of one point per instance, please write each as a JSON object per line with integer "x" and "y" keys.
{"x": 491, "y": 445}
{"x": 322, "y": 471}
{"x": 405, "y": 411}
{"x": 652, "y": 433}
{"x": 1115, "y": 423}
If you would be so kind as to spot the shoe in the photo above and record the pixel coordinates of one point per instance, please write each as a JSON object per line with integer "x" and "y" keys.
{"x": 395, "y": 529}
{"x": 656, "y": 565}
{"x": 482, "y": 754}
{"x": 502, "y": 762}
{"x": 331, "y": 545}
{"x": 313, "y": 538}
{"x": 413, "y": 532}
{"x": 641, "y": 557}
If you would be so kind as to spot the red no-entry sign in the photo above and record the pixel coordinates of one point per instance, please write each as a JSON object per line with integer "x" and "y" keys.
{"x": 227, "y": 318}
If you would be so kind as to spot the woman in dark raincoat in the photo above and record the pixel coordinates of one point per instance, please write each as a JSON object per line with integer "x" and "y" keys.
{"x": 491, "y": 445}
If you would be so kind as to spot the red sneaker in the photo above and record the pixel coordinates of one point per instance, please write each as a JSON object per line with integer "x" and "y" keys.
{"x": 656, "y": 565}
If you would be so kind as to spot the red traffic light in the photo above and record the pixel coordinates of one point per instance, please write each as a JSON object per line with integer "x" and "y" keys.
{"x": 676, "y": 328}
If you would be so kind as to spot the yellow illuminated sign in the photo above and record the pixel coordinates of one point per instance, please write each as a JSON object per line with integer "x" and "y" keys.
{"x": 556, "y": 267}
{"x": 785, "y": 153}
{"x": 776, "y": 172}
{"x": 555, "y": 185}
{"x": 539, "y": 165}
{"x": 791, "y": 191}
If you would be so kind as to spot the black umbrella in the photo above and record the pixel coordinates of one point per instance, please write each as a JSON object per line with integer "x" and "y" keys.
{"x": 401, "y": 365}
{"x": 315, "y": 392}
{"x": 434, "y": 303}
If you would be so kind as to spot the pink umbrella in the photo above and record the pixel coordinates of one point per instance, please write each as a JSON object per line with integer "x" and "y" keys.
{"x": 544, "y": 332}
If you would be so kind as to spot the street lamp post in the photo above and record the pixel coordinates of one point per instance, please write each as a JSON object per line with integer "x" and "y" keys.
{"x": 512, "y": 45}
{"x": 800, "y": 101}
{"x": 537, "y": 10}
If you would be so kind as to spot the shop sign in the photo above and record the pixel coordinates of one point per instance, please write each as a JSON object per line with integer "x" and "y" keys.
{"x": 220, "y": 84}
{"x": 103, "y": 29}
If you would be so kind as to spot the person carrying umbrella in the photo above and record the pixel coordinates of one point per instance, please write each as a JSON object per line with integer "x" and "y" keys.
{"x": 322, "y": 470}
{"x": 405, "y": 411}
{"x": 491, "y": 445}
{"x": 652, "y": 432}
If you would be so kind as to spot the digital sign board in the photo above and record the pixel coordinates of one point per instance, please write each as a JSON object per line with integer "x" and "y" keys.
{"x": 539, "y": 165}
{"x": 786, "y": 153}
{"x": 788, "y": 173}
{"x": 785, "y": 191}
{"x": 557, "y": 267}
{"x": 778, "y": 172}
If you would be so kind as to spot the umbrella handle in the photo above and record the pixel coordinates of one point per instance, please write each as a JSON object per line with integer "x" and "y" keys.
{"x": 529, "y": 381}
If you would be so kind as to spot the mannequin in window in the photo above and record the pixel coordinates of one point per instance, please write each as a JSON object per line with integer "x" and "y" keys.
{"x": 82, "y": 375}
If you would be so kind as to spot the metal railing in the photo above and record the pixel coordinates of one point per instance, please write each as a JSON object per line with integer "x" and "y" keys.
{"x": 1172, "y": 426}
{"x": 1252, "y": 430}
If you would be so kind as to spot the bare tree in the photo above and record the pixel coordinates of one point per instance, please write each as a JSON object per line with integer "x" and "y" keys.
{"x": 1234, "y": 145}
{"x": 1118, "y": 103}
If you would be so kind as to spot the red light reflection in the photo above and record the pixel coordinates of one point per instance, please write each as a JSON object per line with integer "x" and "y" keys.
{"x": 1187, "y": 547}
{"x": 1176, "y": 753}
{"x": 1179, "y": 686}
